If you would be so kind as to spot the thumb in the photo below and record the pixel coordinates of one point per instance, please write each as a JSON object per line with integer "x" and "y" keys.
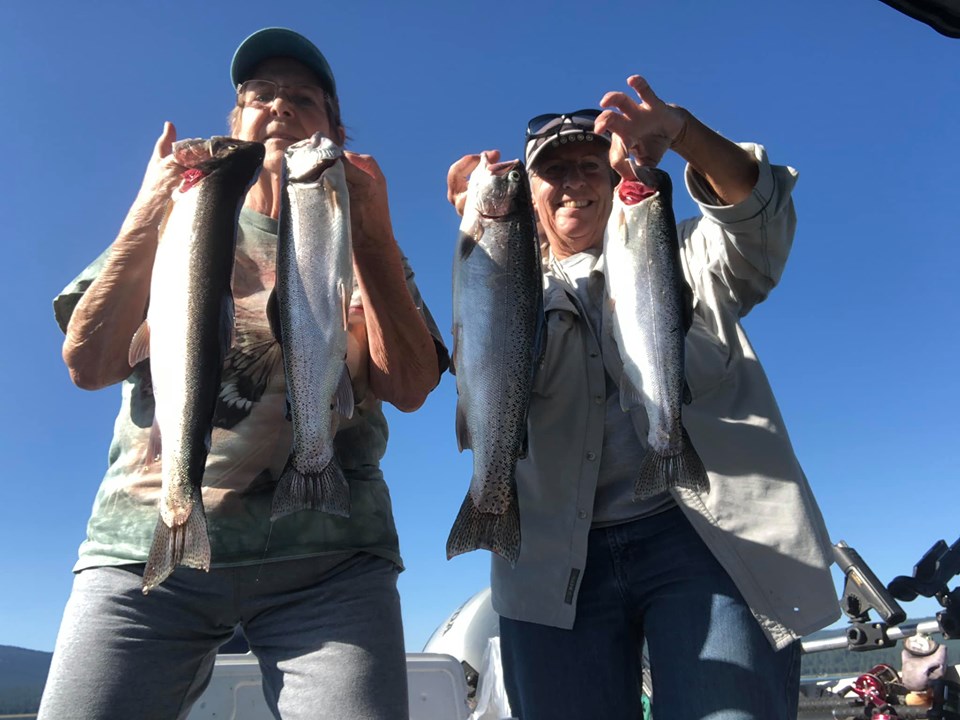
{"x": 166, "y": 140}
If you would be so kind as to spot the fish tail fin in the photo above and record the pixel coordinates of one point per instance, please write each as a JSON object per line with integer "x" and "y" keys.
{"x": 327, "y": 491}
{"x": 473, "y": 530}
{"x": 659, "y": 473}
{"x": 690, "y": 471}
{"x": 185, "y": 544}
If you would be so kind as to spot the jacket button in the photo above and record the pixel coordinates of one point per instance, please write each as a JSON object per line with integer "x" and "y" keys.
{"x": 594, "y": 353}
{"x": 582, "y": 514}
{"x": 591, "y": 455}
{"x": 598, "y": 399}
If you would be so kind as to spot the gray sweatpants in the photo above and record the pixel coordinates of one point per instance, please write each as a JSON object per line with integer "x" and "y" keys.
{"x": 329, "y": 640}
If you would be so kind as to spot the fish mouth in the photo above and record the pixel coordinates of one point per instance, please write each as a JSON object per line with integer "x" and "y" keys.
{"x": 632, "y": 192}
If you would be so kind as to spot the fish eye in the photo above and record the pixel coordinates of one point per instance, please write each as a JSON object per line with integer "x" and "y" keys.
{"x": 514, "y": 176}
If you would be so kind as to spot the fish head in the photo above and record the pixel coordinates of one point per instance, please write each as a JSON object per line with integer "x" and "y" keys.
{"x": 202, "y": 156}
{"x": 503, "y": 189}
{"x": 307, "y": 159}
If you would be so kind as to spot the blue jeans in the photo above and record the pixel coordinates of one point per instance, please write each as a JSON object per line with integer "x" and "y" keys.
{"x": 651, "y": 579}
{"x": 329, "y": 640}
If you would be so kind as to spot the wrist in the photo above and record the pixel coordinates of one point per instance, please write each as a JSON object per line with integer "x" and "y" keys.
{"x": 683, "y": 117}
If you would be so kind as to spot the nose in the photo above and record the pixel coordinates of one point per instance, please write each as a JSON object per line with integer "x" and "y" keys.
{"x": 574, "y": 177}
{"x": 281, "y": 105}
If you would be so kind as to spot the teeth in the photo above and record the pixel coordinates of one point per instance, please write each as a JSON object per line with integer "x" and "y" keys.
{"x": 575, "y": 204}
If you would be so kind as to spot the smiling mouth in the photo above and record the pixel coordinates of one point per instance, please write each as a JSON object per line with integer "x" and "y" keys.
{"x": 575, "y": 204}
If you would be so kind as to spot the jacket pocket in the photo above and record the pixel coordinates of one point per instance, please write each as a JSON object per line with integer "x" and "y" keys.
{"x": 561, "y": 335}
{"x": 706, "y": 359}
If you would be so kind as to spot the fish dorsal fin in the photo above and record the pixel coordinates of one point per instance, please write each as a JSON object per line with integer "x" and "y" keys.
{"x": 345, "y": 298}
{"x": 629, "y": 395}
{"x": 226, "y": 324}
{"x": 453, "y": 349}
{"x": 273, "y": 316}
{"x": 343, "y": 401}
{"x": 139, "y": 345}
{"x": 154, "y": 443}
{"x": 463, "y": 432}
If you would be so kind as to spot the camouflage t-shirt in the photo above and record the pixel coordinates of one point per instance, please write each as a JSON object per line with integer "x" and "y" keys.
{"x": 249, "y": 446}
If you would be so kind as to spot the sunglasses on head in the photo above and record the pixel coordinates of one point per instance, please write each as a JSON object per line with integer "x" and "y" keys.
{"x": 551, "y": 123}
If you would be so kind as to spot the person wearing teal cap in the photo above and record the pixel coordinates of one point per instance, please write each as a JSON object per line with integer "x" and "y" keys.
{"x": 314, "y": 593}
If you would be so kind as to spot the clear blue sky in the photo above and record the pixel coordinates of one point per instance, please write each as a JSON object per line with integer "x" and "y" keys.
{"x": 859, "y": 340}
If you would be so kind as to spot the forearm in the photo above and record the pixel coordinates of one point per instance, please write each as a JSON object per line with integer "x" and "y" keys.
{"x": 403, "y": 359}
{"x": 731, "y": 171}
{"x": 98, "y": 335}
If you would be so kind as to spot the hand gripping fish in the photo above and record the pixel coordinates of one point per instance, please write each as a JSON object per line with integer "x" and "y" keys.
{"x": 187, "y": 334}
{"x": 651, "y": 310}
{"x": 314, "y": 286}
{"x": 497, "y": 343}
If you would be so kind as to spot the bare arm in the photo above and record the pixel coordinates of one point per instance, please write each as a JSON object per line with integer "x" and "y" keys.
{"x": 648, "y": 128}
{"x": 106, "y": 317}
{"x": 403, "y": 366}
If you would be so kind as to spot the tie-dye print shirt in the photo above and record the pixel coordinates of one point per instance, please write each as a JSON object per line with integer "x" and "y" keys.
{"x": 250, "y": 443}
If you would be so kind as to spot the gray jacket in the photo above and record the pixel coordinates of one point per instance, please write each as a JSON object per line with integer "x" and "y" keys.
{"x": 759, "y": 516}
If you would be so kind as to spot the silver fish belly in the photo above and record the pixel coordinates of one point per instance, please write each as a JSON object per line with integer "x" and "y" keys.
{"x": 497, "y": 341}
{"x": 186, "y": 336}
{"x": 650, "y": 316}
{"x": 313, "y": 291}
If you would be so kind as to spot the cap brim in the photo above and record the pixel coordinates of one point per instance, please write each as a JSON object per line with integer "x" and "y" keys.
{"x": 536, "y": 147}
{"x": 280, "y": 42}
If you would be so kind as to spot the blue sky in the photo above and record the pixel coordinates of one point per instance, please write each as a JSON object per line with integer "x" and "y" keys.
{"x": 857, "y": 340}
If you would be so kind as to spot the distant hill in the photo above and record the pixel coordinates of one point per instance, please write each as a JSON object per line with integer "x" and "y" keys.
{"x": 22, "y": 676}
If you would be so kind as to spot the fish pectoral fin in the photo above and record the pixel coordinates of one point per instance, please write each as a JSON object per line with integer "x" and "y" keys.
{"x": 273, "y": 316}
{"x": 629, "y": 394}
{"x": 139, "y": 345}
{"x": 468, "y": 241}
{"x": 463, "y": 432}
{"x": 343, "y": 400}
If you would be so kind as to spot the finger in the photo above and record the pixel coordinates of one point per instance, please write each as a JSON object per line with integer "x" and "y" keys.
{"x": 365, "y": 163}
{"x": 614, "y": 122}
{"x": 458, "y": 176}
{"x": 620, "y": 159}
{"x": 164, "y": 144}
{"x": 643, "y": 89}
{"x": 619, "y": 100}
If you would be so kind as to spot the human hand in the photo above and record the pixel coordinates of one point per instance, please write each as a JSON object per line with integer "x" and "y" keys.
{"x": 458, "y": 177}
{"x": 645, "y": 129}
{"x": 369, "y": 209}
{"x": 163, "y": 171}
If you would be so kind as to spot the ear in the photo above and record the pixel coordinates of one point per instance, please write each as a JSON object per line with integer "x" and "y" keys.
{"x": 341, "y": 136}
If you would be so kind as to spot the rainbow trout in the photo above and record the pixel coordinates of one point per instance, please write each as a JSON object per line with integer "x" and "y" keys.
{"x": 497, "y": 342}
{"x": 314, "y": 286}
{"x": 651, "y": 311}
{"x": 187, "y": 334}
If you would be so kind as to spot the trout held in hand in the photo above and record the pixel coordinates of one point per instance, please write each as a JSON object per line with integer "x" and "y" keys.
{"x": 187, "y": 334}
{"x": 313, "y": 291}
{"x": 497, "y": 342}
{"x": 651, "y": 310}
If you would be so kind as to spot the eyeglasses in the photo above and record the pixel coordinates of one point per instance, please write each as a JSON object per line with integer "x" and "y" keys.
{"x": 261, "y": 94}
{"x": 551, "y": 123}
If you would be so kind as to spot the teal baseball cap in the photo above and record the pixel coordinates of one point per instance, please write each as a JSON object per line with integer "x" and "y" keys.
{"x": 280, "y": 42}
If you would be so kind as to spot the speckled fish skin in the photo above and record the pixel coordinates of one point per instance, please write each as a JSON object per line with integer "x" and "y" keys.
{"x": 650, "y": 316}
{"x": 314, "y": 286}
{"x": 187, "y": 335}
{"x": 497, "y": 331}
